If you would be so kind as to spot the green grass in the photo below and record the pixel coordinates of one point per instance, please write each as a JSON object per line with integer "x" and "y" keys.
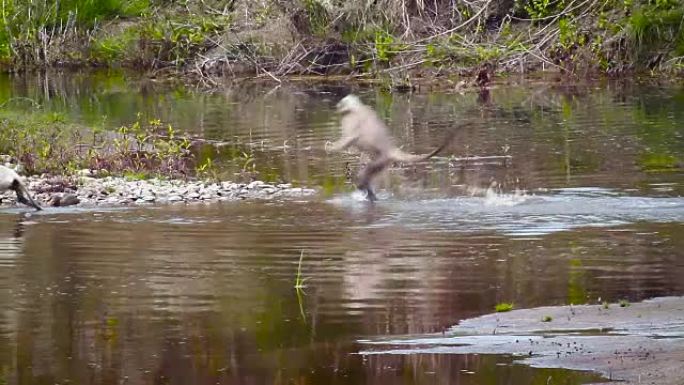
{"x": 85, "y": 13}
{"x": 115, "y": 48}
{"x": 23, "y": 22}
{"x": 547, "y": 318}
{"x": 658, "y": 162}
{"x": 651, "y": 28}
{"x": 135, "y": 175}
{"x": 503, "y": 307}
{"x": 299, "y": 281}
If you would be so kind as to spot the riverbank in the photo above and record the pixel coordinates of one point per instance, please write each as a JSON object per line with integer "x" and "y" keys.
{"x": 86, "y": 190}
{"x": 638, "y": 343}
{"x": 397, "y": 42}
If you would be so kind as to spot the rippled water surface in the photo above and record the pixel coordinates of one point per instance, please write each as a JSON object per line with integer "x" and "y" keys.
{"x": 587, "y": 208}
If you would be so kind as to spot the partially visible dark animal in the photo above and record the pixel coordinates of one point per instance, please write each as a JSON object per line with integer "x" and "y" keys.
{"x": 10, "y": 180}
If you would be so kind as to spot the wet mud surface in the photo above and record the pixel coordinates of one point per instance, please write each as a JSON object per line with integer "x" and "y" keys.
{"x": 641, "y": 343}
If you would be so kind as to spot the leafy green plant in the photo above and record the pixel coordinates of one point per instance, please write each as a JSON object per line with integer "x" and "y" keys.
{"x": 175, "y": 41}
{"x": 567, "y": 32}
{"x": 47, "y": 143}
{"x": 384, "y": 43}
{"x": 538, "y": 9}
{"x": 436, "y": 53}
{"x": 488, "y": 53}
{"x": 207, "y": 169}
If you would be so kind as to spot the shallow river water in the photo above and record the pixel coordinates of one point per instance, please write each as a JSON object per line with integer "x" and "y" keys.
{"x": 588, "y": 208}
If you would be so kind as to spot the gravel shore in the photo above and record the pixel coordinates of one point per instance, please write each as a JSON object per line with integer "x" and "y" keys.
{"x": 88, "y": 190}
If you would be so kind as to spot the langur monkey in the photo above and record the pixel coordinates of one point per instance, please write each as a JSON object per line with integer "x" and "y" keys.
{"x": 363, "y": 129}
{"x": 10, "y": 180}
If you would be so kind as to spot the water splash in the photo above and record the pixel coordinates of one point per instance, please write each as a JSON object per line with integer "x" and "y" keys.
{"x": 522, "y": 214}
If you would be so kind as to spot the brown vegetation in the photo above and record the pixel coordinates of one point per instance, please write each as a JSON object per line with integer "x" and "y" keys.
{"x": 396, "y": 40}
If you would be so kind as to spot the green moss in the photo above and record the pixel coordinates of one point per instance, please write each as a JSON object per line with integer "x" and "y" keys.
{"x": 503, "y": 307}
{"x": 658, "y": 162}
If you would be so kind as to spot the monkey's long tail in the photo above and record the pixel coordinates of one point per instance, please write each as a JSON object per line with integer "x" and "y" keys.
{"x": 24, "y": 196}
{"x": 400, "y": 156}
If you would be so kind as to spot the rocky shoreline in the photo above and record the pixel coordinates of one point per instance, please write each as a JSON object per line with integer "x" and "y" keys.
{"x": 87, "y": 190}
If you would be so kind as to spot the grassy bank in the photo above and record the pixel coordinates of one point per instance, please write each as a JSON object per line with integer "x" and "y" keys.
{"x": 46, "y": 143}
{"x": 398, "y": 40}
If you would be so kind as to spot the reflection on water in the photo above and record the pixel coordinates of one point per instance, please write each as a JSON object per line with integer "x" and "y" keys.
{"x": 204, "y": 294}
{"x": 621, "y": 136}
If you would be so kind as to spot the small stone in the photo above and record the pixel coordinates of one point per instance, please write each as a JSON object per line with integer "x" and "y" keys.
{"x": 175, "y": 198}
{"x": 255, "y": 184}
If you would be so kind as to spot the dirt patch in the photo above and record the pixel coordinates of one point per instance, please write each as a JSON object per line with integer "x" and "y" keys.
{"x": 642, "y": 343}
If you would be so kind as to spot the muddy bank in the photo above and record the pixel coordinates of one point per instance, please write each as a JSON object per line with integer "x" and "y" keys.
{"x": 87, "y": 190}
{"x": 639, "y": 344}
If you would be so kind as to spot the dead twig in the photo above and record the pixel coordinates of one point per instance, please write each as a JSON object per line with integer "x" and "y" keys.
{"x": 456, "y": 28}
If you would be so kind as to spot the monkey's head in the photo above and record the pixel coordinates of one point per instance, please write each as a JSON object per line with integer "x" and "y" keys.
{"x": 349, "y": 103}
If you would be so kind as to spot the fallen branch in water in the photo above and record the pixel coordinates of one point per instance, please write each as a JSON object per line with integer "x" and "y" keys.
{"x": 489, "y": 157}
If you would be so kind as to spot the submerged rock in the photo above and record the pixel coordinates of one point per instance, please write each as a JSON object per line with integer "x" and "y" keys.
{"x": 64, "y": 200}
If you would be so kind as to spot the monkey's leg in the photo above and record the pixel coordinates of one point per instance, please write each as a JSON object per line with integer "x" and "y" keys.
{"x": 368, "y": 173}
